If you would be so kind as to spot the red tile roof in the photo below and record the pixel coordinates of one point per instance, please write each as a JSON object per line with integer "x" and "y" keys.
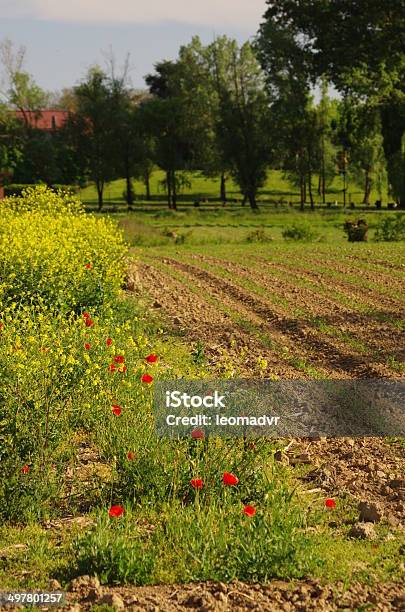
{"x": 47, "y": 119}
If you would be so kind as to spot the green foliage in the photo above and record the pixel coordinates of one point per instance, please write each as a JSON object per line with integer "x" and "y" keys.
{"x": 201, "y": 540}
{"x": 390, "y": 229}
{"x": 356, "y": 231}
{"x": 363, "y": 56}
{"x": 258, "y": 235}
{"x": 300, "y": 232}
{"x": 90, "y": 130}
{"x": 117, "y": 554}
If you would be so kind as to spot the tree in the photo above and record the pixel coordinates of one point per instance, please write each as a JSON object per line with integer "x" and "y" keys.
{"x": 244, "y": 122}
{"x": 203, "y": 76}
{"x": 91, "y": 130}
{"x": 327, "y": 115}
{"x": 19, "y": 89}
{"x": 168, "y": 119}
{"x": 360, "y": 134}
{"x": 10, "y": 144}
{"x": 362, "y": 54}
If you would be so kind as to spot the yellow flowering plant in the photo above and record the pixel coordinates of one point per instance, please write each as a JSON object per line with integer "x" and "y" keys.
{"x": 50, "y": 249}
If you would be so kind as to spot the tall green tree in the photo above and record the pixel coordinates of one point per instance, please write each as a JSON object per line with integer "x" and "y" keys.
{"x": 327, "y": 111}
{"x": 91, "y": 130}
{"x": 244, "y": 126}
{"x": 361, "y": 125}
{"x": 19, "y": 90}
{"x": 168, "y": 119}
{"x": 296, "y": 126}
{"x": 359, "y": 46}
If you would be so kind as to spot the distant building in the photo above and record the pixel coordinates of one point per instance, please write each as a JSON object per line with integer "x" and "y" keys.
{"x": 47, "y": 119}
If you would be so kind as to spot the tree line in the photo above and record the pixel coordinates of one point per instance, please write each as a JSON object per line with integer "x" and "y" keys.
{"x": 231, "y": 111}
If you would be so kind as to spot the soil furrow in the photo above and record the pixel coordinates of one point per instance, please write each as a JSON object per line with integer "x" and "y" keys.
{"x": 347, "y": 289}
{"x": 323, "y": 351}
{"x": 200, "y": 321}
{"x": 381, "y": 338}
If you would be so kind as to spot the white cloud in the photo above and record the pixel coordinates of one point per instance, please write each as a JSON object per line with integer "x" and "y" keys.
{"x": 214, "y": 13}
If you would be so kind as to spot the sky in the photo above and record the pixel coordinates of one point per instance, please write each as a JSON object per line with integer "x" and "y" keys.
{"x": 63, "y": 38}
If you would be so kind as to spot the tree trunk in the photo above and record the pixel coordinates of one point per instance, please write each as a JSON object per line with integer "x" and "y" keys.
{"x": 311, "y": 197}
{"x": 323, "y": 187}
{"x": 320, "y": 183}
{"x": 223, "y": 188}
{"x": 302, "y": 192}
{"x": 169, "y": 188}
{"x": 367, "y": 187}
{"x": 146, "y": 180}
{"x": 129, "y": 190}
{"x": 174, "y": 190}
{"x": 100, "y": 190}
{"x": 323, "y": 173}
{"x": 252, "y": 200}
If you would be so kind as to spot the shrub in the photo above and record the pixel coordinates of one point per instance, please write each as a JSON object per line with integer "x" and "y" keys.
{"x": 356, "y": 231}
{"x": 17, "y": 189}
{"x": 391, "y": 229}
{"x": 258, "y": 235}
{"x": 54, "y": 254}
{"x": 300, "y": 232}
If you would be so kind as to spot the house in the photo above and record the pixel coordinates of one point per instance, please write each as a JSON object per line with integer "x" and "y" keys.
{"x": 47, "y": 119}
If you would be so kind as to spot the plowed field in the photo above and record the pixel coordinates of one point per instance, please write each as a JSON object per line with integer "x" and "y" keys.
{"x": 318, "y": 313}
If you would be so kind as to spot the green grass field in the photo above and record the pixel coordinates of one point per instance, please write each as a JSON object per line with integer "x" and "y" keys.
{"x": 277, "y": 189}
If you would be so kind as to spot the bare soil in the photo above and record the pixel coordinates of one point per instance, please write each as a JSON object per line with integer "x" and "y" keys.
{"x": 219, "y": 597}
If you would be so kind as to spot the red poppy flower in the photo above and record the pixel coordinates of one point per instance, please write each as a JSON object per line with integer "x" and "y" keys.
{"x": 122, "y": 369}
{"x": 116, "y": 511}
{"x": 196, "y": 483}
{"x": 112, "y": 367}
{"x": 249, "y": 510}
{"x": 116, "y": 410}
{"x": 89, "y": 322}
{"x": 198, "y": 434}
{"x": 25, "y": 469}
{"x": 130, "y": 456}
{"x": 330, "y": 503}
{"x": 87, "y": 346}
{"x": 86, "y": 315}
{"x": 230, "y": 479}
{"x": 88, "y": 266}
{"x": 108, "y": 342}
{"x": 119, "y": 359}
{"x": 147, "y": 378}
{"x": 151, "y": 358}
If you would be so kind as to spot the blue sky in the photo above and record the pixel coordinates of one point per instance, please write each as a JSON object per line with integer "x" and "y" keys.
{"x": 64, "y": 38}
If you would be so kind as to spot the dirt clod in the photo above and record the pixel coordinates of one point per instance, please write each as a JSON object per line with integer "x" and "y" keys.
{"x": 370, "y": 512}
{"x": 113, "y": 600}
{"x": 363, "y": 531}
